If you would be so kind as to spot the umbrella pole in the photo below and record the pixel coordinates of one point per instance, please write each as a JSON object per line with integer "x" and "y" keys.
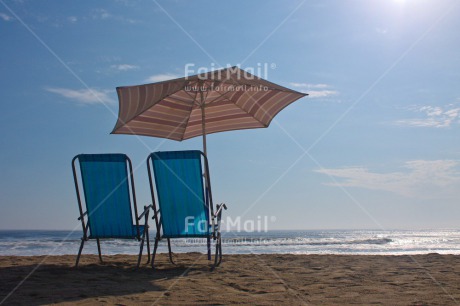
{"x": 203, "y": 127}
{"x": 203, "y": 123}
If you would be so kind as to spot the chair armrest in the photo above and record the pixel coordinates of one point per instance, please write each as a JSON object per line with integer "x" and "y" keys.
{"x": 155, "y": 213}
{"x": 84, "y": 214}
{"x": 219, "y": 210}
{"x": 145, "y": 211}
{"x": 216, "y": 224}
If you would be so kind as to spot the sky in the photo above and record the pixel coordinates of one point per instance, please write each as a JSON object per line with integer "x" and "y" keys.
{"x": 375, "y": 145}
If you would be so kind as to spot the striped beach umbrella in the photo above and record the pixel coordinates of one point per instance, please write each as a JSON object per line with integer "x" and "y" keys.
{"x": 216, "y": 101}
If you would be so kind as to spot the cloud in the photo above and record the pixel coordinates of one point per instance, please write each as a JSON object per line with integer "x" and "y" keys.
{"x": 321, "y": 93}
{"x": 161, "y": 77}
{"x": 382, "y": 31}
{"x": 102, "y": 14}
{"x": 432, "y": 116}
{"x": 418, "y": 178}
{"x": 124, "y": 67}
{"x": 72, "y": 19}
{"x": 84, "y": 96}
{"x": 5, "y": 17}
{"x": 315, "y": 90}
{"x": 309, "y": 86}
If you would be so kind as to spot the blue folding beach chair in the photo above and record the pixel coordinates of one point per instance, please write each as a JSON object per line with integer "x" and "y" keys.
{"x": 107, "y": 196}
{"x": 183, "y": 192}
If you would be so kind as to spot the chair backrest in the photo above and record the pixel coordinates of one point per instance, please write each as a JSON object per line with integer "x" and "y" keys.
{"x": 107, "y": 195}
{"x": 180, "y": 193}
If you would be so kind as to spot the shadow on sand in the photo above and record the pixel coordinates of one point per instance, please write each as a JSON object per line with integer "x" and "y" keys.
{"x": 37, "y": 284}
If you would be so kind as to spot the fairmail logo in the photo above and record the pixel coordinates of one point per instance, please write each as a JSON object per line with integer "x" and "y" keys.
{"x": 249, "y": 73}
{"x": 260, "y": 224}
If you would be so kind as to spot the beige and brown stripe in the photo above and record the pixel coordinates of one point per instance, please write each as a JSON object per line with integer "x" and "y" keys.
{"x": 232, "y": 99}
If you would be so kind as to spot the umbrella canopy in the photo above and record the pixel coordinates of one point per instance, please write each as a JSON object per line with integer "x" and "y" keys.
{"x": 216, "y": 101}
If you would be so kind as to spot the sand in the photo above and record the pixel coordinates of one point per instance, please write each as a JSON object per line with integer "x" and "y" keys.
{"x": 241, "y": 279}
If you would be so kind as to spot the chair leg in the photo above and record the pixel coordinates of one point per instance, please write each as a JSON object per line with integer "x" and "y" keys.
{"x": 154, "y": 251}
{"x": 170, "y": 253}
{"x": 99, "y": 249}
{"x": 218, "y": 256}
{"x": 209, "y": 247}
{"x": 148, "y": 246}
{"x": 79, "y": 251}
{"x": 146, "y": 232}
{"x": 140, "y": 250}
{"x": 220, "y": 249}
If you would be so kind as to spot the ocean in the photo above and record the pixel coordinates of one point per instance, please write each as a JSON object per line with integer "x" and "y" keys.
{"x": 357, "y": 242}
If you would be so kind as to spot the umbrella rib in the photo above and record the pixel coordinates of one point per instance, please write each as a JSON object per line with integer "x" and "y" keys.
{"x": 272, "y": 88}
{"x": 147, "y": 108}
{"x": 261, "y": 107}
{"x": 187, "y": 119}
{"x": 263, "y": 124}
{"x": 221, "y": 96}
{"x": 244, "y": 111}
{"x": 270, "y": 84}
{"x": 251, "y": 98}
{"x": 229, "y": 100}
{"x": 191, "y": 84}
{"x": 188, "y": 94}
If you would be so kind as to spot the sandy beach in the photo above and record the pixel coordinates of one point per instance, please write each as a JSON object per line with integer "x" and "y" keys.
{"x": 241, "y": 279}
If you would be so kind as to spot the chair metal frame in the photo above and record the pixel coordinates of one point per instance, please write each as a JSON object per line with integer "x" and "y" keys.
{"x": 215, "y": 217}
{"x": 86, "y": 226}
